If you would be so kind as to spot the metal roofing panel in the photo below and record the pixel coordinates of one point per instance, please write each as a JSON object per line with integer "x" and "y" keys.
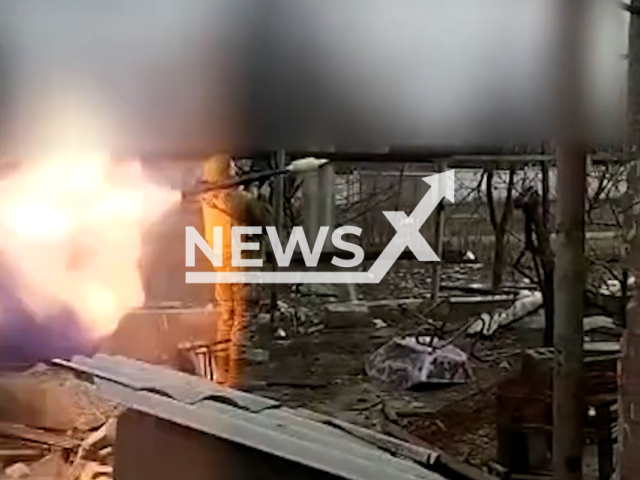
{"x": 179, "y": 386}
{"x": 338, "y": 458}
{"x": 278, "y": 431}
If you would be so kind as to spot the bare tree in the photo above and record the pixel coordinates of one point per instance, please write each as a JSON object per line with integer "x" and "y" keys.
{"x": 499, "y": 225}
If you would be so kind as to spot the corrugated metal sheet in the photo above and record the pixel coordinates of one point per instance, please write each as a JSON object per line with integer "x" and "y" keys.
{"x": 244, "y": 419}
{"x": 144, "y": 377}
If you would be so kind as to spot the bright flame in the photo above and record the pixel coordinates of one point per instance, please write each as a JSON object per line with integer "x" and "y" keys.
{"x": 72, "y": 226}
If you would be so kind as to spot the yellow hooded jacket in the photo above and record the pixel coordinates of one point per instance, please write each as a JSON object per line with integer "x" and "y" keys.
{"x": 227, "y": 208}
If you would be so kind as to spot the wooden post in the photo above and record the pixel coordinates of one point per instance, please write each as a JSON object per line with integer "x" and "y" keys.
{"x": 605, "y": 443}
{"x": 629, "y": 367}
{"x": 326, "y": 204}
{"x": 436, "y": 268}
{"x": 546, "y": 202}
{"x": 570, "y": 271}
{"x": 548, "y": 264}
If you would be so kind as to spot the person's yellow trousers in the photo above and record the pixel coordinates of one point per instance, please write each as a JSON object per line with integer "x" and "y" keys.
{"x": 230, "y": 303}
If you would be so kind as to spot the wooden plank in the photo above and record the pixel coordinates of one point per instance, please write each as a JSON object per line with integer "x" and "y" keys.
{"x": 37, "y": 435}
{"x": 20, "y": 454}
{"x": 419, "y": 454}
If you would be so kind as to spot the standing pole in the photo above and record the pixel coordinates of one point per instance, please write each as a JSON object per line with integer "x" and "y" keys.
{"x": 629, "y": 366}
{"x": 436, "y": 267}
{"x": 278, "y": 194}
{"x": 546, "y": 201}
{"x": 278, "y": 213}
{"x": 568, "y": 393}
{"x": 548, "y": 263}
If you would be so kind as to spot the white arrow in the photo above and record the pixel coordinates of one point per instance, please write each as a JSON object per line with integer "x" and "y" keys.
{"x": 408, "y": 228}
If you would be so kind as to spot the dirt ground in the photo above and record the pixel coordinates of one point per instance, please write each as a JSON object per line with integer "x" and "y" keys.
{"x": 324, "y": 371}
{"x": 314, "y": 355}
{"x": 314, "y": 358}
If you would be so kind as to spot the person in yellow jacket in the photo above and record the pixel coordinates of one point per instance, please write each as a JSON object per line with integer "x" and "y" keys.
{"x": 228, "y": 208}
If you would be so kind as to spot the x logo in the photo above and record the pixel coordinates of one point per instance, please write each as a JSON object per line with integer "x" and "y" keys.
{"x": 408, "y": 227}
{"x": 408, "y": 235}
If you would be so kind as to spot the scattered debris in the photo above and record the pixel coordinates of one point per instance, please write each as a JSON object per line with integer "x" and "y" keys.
{"x": 346, "y": 315}
{"x": 17, "y": 470}
{"x": 262, "y": 319}
{"x": 41, "y": 453}
{"x": 529, "y": 315}
{"x": 599, "y": 322}
{"x": 602, "y": 347}
{"x": 410, "y": 361}
{"x": 93, "y": 470}
{"x": 500, "y": 470}
{"x": 88, "y": 470}
{"x": 363, "y": 404}
{"x": 37, "y": 435}
{"x": 379, "y": 323}
{"x": 525, "y": 305}
{"x": 469, "y": 256}
{"x": 442, "y": 463}
{"x": 413, "y": 411}
{"x": 294, "y": 318}
{"x": 471, "y": 289}
{"x": 91, "y": 457}
{"x": 285, "y": 314}
{"x": 315, "y": 328}
{"x": 70, "y": 403}
{"x": 505, "y": 365}
{"x": 349, "y": 307}
{"x": 257, "y": 355}
{"x": 313, "y": 384}
{"x": 614, "y": 287}
{"x": 389, "y": 412}
{"x": 97, "y": 439}
{"x": 480, "y": 299}
{"x": 318, "y": 289}
{"x": 19, "y": 454}
{"x": 420, "y": 455}
{"x": 51, "y": 467}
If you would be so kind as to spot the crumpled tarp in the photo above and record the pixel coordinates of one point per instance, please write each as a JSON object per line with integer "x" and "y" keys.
{"x": 410, "y": 361}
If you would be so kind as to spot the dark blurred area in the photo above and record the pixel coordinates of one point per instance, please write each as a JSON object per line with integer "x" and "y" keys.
{"x": 299, "y": 75}
{"x": 29, "y": 337}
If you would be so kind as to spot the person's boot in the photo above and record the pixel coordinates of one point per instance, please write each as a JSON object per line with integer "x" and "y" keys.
{"x": 236, "y": 367}
{"x": 221, "y": 368}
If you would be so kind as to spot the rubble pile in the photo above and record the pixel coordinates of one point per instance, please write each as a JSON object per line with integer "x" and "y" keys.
{"x": 54, "y": 427}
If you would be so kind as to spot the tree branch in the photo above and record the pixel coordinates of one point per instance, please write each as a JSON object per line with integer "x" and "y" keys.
{"x": 490, "y": 202}
{"x": 508, "y": 204}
